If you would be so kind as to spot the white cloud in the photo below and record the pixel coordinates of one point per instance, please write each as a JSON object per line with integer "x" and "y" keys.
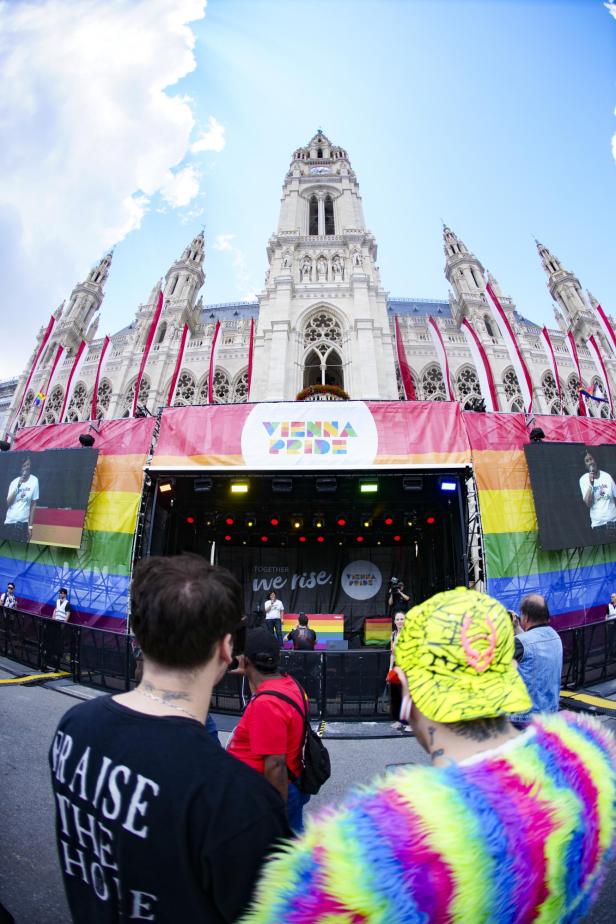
{"x": 211, "y": 140}
{"x": 243, "y": 281}
{"x": 91, "y": 132}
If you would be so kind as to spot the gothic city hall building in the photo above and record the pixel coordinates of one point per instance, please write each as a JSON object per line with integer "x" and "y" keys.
{"x": 324, "y": 318}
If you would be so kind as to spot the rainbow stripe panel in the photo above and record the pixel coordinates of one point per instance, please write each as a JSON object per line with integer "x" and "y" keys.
{"x": 328, "y": 626}
{"x": 377, "y": 630}
{"x": 576, "y": 582}
{"x": 97, "y": 574}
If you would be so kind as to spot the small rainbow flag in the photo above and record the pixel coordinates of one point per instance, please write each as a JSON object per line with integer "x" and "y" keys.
{"x": 39, "y": 398}
{"x": 377, "y": 630}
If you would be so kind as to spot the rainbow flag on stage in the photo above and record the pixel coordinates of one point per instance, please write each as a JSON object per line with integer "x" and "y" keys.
{"x": 328, "y": 626}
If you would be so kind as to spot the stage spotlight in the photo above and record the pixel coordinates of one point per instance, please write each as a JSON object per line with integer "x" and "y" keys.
{"x": 367, "y": 523}
{"x": 397, "y": 538}
{"x": 320, "y": 538}
{"x": 368, "y": 487}
{"x": 326, "y": 485}
{"x": 4, "y": 446}
{"x": 166, "y": 487}
{"x": 359, "y": 538}
{"x": 341, "y": 521}
{"x": 202, "y": 485}
{"x": 264, "y": 538}
{"x": 412, "y": 482}
{"x": 86, "y": 439}
{"x": 209, "y": 520}
{"x": 297, "y": 522}
{"x": 536, "y": 435}
{"x": 301, "y": 538}
{"x": 229, "y": 521}
{"x": 282, "y": 485}
{"x": 318, "y": 521}
{"x": 274, "y": 521}
{"x": 448, "y": 484}
{"x": 388, "y": 521}
{"x": 250, "y": 521}
{"x": 239, "y": 487}
{"x": 430, "y": 520}
{"x": 227, "y": 538}
{"x": 409, "y": 519}
{"x": 190, "y": 520}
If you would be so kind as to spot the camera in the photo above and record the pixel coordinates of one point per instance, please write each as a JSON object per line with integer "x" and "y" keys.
{"x": 393, "y": 583}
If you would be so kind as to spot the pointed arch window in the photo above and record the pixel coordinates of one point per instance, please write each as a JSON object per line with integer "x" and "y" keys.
{"x": 313, "y": 217}
{"x": 160, "y": 333}
{"x": 103, "y": 398}
{"x": 26, "y": 409}
{"x": 489, "y": 328}
{"x": 513, "y": 393}
{"x": 329, "y": 216}
{"x": 323, "y": 366}
{"x": 185, "y": 390}
{"x": 320, "y": 152}
{"x": 467, "y": 386}
{"x": 474, "y": 275}
{"x": 433, "y": 384}
{"x": 77, "y": 402}
{"x": 53, "y": 405}
{"x": 144, "y": 394}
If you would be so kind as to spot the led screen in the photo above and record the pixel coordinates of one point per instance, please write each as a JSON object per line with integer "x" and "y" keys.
{"x": 574, "y": 491}
{"x": 44, "y": 495}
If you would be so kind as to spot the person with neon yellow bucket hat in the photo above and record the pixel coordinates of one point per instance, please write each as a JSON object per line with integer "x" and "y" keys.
{"x": 504, "y": 826}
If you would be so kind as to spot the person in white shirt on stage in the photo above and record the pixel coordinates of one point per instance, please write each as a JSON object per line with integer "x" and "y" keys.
{"x": 21, "y": 503}
{"x": 62, "y": 611}
{"x": 274, "y": 611}
{"x": 8, "y": 599}
{"x": 611, "y": 608}
{"x": 599, "y": 494}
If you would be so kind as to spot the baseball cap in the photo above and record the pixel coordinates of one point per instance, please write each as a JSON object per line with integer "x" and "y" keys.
{"x": 456, "y": 650}
{"x": 262, "y": 649}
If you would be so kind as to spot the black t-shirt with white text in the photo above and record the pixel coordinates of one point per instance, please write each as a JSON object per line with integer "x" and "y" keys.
{"x": 155, "y": 821}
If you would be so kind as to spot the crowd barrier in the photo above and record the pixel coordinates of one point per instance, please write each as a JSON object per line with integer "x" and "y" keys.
{"x": 340, "y": 684}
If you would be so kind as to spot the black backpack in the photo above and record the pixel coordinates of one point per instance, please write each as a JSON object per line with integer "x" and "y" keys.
{"x": 315, "y": 756}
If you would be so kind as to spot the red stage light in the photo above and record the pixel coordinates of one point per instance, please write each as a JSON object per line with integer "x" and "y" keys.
{"x": 302, "y": 538}
{"x": 320, "y": 538}
{"x": 431, "y": 521}
{"x": 360, "y": 539}
{"x": 264, "y": 539}
{"x": 388, "y": 521}
{"x": 227, "y": 538}
{"x": 229, "y": 521}
{"x": 341, "y": 521}
{"x": 397, "y": 538}
{"x": 190, "y": 520}
{"x": 274, "y": 521}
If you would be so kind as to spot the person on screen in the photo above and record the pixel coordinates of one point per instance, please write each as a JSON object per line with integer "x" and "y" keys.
{"x": 62, "y": 611}
{"x": 598, "y": 493}
{"x": 611, "y": 607}
{"x": 8, "y": 599}
{"x": 21, "y": 503}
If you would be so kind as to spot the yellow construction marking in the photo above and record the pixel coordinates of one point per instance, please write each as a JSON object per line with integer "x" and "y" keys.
{"x": 31, "y": 677}
{"x": 589, "y": 699}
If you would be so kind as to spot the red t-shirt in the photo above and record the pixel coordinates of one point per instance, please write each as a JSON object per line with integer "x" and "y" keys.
{"x": 271, "y": 726}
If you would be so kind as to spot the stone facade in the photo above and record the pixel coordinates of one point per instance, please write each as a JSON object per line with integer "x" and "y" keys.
{"x": 323, "y": 317}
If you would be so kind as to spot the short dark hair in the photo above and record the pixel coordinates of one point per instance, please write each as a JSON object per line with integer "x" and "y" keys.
{"x": 63, "y": 590}
{"x": 302, "y": 619}
{"x": 11, "y": 584}
{"x": 181, "y": 606}
{"x": 535, "y": 608}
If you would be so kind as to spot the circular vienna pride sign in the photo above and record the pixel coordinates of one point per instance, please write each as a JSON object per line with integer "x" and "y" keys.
{"x": 310, "y": 435}
{"x": 361, "y": 580}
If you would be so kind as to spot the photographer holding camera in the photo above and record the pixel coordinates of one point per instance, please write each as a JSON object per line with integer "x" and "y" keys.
{"x": 397, "y": 599}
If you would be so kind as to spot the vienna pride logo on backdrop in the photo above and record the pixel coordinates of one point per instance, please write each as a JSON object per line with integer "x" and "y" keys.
{"x": 310, "y": 435}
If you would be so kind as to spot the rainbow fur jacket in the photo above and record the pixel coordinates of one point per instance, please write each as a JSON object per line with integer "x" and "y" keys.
{"x": 521, "y": 834}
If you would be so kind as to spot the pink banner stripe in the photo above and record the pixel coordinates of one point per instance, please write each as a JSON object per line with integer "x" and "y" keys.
{"x": 484, "y": 370}
{"x": 439, "y": 343}
{"x": 146, "y": 351}
{"x": 251, "y": 346}
{"x": 549, "y": 349}
{"x": 594, "y": 349}
{"x": 212, "y": 367}
{"x": 608, "y": 330}
{"x": 50, "y": 380}
{"x": 507, "y": 331}
{"x": 68, "y": 393}
{"x": 570, "y": 339}
{"x": 33, "y": 368}
{"x": 101, "y": 361}
{"x": 178, "y": 367}
{"x": 405, "y": 370}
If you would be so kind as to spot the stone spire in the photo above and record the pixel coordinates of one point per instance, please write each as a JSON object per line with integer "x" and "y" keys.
{"x": 83, "y": 305}
{"x": 565, "y": 289}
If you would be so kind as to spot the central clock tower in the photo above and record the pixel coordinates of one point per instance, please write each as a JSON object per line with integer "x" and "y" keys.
{"x": 323, "y": 313}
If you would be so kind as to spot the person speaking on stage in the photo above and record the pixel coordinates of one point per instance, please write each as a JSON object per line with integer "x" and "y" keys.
{"x": 21, "y": 503}
{"x": 599, "y": 494}
{"x": 274, "y": 611}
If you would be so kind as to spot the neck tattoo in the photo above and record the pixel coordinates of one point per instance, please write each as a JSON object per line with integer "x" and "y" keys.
{"x": 164, "y": 702}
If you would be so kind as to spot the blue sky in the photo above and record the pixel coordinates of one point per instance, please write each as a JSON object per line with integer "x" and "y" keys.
{"x": 495, "y": 116}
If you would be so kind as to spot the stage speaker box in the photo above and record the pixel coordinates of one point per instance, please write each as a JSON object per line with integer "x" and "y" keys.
{"x": 336, "y": 644}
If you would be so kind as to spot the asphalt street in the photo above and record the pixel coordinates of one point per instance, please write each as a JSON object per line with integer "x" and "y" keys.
{"x": 30, "y": 881}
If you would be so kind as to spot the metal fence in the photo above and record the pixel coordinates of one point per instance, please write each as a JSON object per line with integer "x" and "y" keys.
{"x": 340, "y": 684}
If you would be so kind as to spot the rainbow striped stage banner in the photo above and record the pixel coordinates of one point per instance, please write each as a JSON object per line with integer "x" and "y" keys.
{"x": 328, "y": 626}
{"x": 576, "y": 582}
{"x": 377, "y": 630}
{"x": 96, "y": 574}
